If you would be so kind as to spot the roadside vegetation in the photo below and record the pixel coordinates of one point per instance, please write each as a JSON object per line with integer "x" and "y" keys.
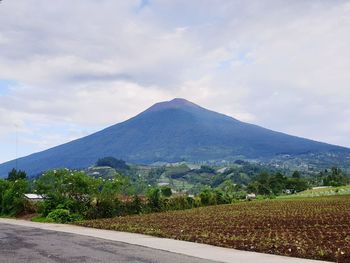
{"x": 12, "y": 190}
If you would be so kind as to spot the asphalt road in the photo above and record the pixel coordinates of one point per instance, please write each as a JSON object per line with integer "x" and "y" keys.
{"x": 25, "y": 244}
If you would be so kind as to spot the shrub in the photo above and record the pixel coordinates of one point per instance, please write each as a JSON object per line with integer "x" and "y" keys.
{"x": 60, "y": 216}
{"x": 154, "y": 199}
{"x": 76, "y": 217}
{"x": 207, "y": 197}
{"x": 166, "y": 191}
{"x": 221, "y": 197}
{"x": 135, "y": 206}
{"x": 179, "y": 203}
{"x": 46, "y": 207}
{"x": 31, "y": 207}
{"x": 12, "y": 201}
{"x": 106, "y": 209}
{"x": 72, "y": 190}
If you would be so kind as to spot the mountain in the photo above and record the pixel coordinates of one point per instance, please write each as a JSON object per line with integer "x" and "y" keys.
{"x": 169, "y": 132}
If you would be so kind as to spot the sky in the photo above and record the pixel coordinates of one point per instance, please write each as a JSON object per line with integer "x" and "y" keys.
{"x": 70, "y": 68}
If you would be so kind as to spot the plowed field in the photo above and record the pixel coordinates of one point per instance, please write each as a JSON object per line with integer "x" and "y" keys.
{"x": 317, "y": 228}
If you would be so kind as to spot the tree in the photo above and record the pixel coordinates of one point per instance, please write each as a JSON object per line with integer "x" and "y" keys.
{"x": 110, "y": 188}
{"x": 14, "y": 175}
{"x": 207, "y": 197}
{"x": 154, "y": 199}
{"x": 233, "y": 191}
{"x": 70, "y": 190}
{"x": 263, "y": 184}
{"x": 253, "y": 187}
{"x": 221, "y": 197}
{"x": 166, "y": 191}
{"x": 107, "y": 203}
{"x": 296, "y": 174}
{"x": 113, "y": 163}
{"x": 228, "y": 187}
{"x": 334, "y": 178}
{"x": 296, "y": 184}
{"x": 4, "y": 186}
{"x": 136, "y": 205}
{"x": 266, "y": 184}
{"x": 277, "y": 183}
{"x": 12, "y": 201}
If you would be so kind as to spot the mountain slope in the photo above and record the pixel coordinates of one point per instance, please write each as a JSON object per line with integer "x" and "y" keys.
{"x": 172, "y": 131}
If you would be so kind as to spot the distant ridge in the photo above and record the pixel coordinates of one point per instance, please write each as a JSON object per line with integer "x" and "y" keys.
{"x": 172, "y": 131}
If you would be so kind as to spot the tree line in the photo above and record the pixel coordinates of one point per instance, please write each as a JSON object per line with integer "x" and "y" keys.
{"x": 73, "y": 195}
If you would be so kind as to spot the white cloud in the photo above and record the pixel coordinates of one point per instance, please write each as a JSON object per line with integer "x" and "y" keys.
{"x": 84, "y": 65}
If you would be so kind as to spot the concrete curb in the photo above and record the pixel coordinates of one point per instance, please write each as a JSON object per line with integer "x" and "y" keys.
{"x": 176, "y": 246}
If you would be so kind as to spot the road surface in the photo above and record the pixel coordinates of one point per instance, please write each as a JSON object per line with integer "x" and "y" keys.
{"x": 23, "y": 244}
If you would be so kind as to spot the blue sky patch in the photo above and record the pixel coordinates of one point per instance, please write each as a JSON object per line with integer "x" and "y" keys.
{"x": 142, "y": 5}
{"x": 6, "y": 85}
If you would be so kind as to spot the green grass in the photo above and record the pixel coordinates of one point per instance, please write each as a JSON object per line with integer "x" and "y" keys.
{"x": 41, "y": 219}
{"x": 340, "y": 190}
{"x": 6, "y": 216}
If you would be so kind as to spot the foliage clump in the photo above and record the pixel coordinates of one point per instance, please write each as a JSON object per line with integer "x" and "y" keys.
{"x": 60, "y": 216}
{"x": 12, "y": 190}
{"x": 117, "y": 164}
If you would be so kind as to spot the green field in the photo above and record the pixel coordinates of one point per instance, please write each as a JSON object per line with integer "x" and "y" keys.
{"x": 329, "y": 191}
